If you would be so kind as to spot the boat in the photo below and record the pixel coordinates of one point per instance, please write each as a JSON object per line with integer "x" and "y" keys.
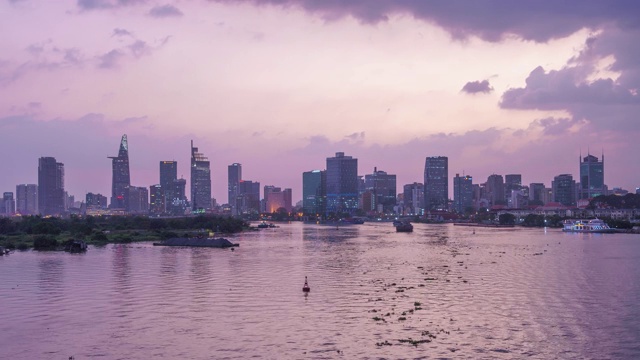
{"x": 586, "y": 226}
{"x": 405, "y": 226}
{"x": 263, "y": 225}
{"x": 397, "y": 222}
{"x": 75, "y": 246}
{"x": 305, "y": 287}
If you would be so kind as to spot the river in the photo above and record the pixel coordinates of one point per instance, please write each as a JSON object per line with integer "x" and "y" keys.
{"x": 439, "y": 292}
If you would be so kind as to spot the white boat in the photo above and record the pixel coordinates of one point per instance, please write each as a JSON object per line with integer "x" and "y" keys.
{"x": 587, "y": 226}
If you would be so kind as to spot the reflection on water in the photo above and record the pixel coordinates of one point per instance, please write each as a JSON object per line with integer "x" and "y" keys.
{"x": 439, "y": 292}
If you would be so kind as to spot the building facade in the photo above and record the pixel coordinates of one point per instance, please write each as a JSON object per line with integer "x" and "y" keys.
{"x": 156, "y": 200}
{"x": 314, "y": 192}
{"x": 95, "y": 201}
{"x": 51, "y": 199}
{"x": 436, "y": 183}
{"x": 27, "y": 199}
{"x": 168, "y": 175}
{"x": 247, "y": 199}
{"x": 138, "y": 200}
{"x": 564, "y": 189}
{"x": 200, "y": 181}
{"x": 276, "y": 199}
{"x": 383, "y": 188}
{"x": 234, "y": 176}
{"x": 342, "y": 184}
{"x": 495, "y": 190}
{"x": 462, "y": 193}
{"x": 413, "y": 198}
{"x": 591, "y": 177}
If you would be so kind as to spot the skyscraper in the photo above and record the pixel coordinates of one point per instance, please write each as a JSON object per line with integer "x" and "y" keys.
{"x": 121, "y": 179}
{"x": 495, "y": 190}
{"x": 156, "y": 200}
{"x": 383, "y": 188}
{"x": 27, "y": 199}
{"x": 248, "y": 197}
{"x": 462, "y": 193}
{"x": 200, "y": 181}
{"x": 96, "y": 201}
{"x": 50, "y": 186}
{"x": 564, "y": 188}
{"x": 234, "y": 177}
{"x": 436, "y": 183}
{"x": 342, "y": 184}
{"x": 168, "y": 174}
{"x": 314, "y": 192}
{"x": 591, "y": 177}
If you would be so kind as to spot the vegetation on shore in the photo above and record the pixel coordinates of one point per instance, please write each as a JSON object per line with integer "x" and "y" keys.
{"x": 48, "y": 233}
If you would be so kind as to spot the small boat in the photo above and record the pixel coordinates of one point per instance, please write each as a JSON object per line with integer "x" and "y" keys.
{"x": 586, "y": 226}
{"x": 405, "y": 226}
{"x": 397, "y": 222}
{"x": 305, "y": 287}
{"x": 263, "y": 225}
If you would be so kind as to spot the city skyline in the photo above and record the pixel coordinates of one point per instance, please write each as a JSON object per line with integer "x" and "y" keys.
{"x": 285, "y": 86}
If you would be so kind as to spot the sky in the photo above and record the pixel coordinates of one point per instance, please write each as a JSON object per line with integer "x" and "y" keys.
{"x": 499, "y": 87}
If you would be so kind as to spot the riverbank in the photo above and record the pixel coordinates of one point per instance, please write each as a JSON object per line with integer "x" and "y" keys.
{"x": 38, "y": 233}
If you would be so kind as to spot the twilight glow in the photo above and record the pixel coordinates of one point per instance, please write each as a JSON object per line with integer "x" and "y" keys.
{"x": 277, "y": 85}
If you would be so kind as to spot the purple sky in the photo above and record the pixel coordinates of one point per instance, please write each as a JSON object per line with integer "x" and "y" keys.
{"x": 497, "y": 86}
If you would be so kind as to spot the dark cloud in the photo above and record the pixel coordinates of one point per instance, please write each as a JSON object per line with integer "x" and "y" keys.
{"x": 474, "y": 87}
{"x": 165, "y": 11}
{"x": 111, "y": 59}
{"x": 121, "y": 32}
{"x": 489, "y": 19}
{"x": 107, "y": 4}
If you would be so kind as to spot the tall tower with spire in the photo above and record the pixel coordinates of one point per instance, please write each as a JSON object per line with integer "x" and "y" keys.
{"x": 121, "y": 180}
{"x": 200, "y": 181}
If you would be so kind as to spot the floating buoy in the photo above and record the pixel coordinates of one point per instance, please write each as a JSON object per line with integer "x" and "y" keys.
{"x": 306, "y": 287}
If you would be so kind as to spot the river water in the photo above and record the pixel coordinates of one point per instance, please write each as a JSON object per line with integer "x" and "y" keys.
{"x": 489, "y": 294}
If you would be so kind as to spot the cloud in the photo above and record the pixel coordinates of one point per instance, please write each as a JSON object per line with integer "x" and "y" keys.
{"x": 107, "y": 4}
{"x": 111, "y": 59}
{"x": 165, "y": 11}
{"x": 474, "y": 87}
{"x": 121, "y": 32}
{"x": 491, "y": 20}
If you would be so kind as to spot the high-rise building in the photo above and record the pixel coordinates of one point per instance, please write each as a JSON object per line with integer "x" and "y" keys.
{"x": 27, "y": 199}
{"x": 156, "y": 200}
{"x": 8, "y": 204}
{"x": 564, "y": 189}
{"x": 512, "y": 182}
{"x": 200, "y": 181}
{"x": 248, "y": 197}
{"x": 591, "y": 177}
{"x": 314, "y": 192}
{"x": 536, "y": 192}
{"x": 137, "y": 200}
{"x": 462, "y": 193}
{"x": 234, "y": 177}
{"x": 96, "y": 201}
{"x": 50, "y": 186}
{"x": 413, "y": 198}
{"x": 168, "y": 174}
{"x": 436, "y": 183}
{"x": 342, "y": 184}
{"x": 383, "y": 188}
{"x": 179, "y": 202}
{"x": 121, "y": 179}
{"x": 495, "y": 190}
